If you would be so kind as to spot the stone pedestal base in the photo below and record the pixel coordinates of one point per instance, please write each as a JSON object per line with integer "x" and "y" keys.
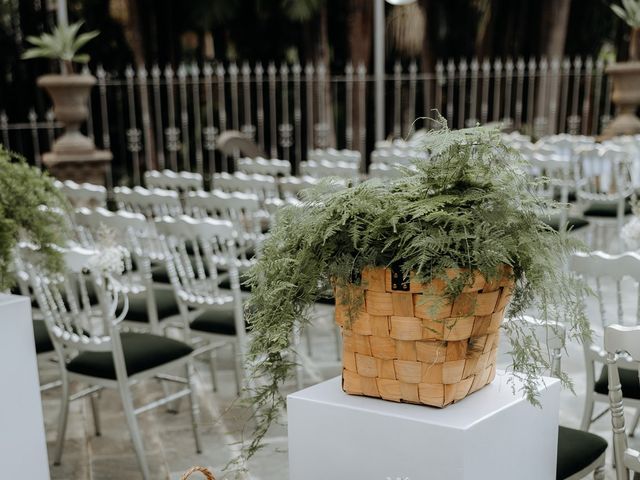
{"x": 92, "y": 167}
{"x": 622, "y": 124}
{"x": 626, "y": 95}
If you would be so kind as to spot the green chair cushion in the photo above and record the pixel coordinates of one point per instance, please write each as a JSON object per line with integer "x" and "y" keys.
{"x": 219, "y": 321}
{"x": 573, "y": 223}
{"x": 160, "y": 274}
{"x": 606, "y": 209}
{"x": 577, "y": 450}
{"x": 41, "y": 334}
{"x": 628, "y": 380}
{"x": 142, "y": 351}
{"x": 166, "y": 304}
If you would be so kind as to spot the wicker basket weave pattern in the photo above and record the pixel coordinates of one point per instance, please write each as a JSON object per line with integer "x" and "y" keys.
{"x": 412, "y": 344}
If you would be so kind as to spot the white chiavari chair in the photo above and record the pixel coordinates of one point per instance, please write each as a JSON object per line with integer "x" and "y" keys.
{"x": 91, "y": 349}
{"x": 264, "y": 186}
{"x": 579, "y": 452}
{"x": 622, "y": 346}
{"x": 210, "y": 311}
{"x": 290, "y": 187}
{"x": 324, "y": 168}
{"x": 262, "y": 166}
{"x": 614, "y": 278}
{"x": 603, "y": 187}
{"x": 243, "y": 210}
{"x": 555, "y": 181}
{"x": 150, "y": 304}
{"x": 152, "y": 203}
{"x": 83, "y": 194}
{"x": 170, "y": 180}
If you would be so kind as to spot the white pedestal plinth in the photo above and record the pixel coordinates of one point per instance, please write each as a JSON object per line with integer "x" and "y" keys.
{"x": 491, "y": 435}
{"x": 23, "y": 449}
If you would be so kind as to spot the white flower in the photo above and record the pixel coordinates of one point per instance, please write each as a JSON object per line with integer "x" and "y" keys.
{"x": 109, "y": 260}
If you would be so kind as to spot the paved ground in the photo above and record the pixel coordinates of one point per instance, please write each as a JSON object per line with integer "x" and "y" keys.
{"x": 169, "y": 442}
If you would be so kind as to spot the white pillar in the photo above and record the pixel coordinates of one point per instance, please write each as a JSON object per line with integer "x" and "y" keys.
{"x": 378, "y": 64}
{"x": 23, "y": 449}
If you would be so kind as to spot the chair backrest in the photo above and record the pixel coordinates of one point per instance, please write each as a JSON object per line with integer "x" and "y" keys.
{"x": 263, "y": 166}
{"x": 604, "y": 173}
{"x": 290, "y": 187}
{"x": 394, "y": 156}
{"x": 553, "y": 335}
{"x": 64, "y": 300}
{"x": 243, "y": 210}
{"x": 557, "y": 172}
{"x": 196, "y": 278}
{"x": 170, "y": 180}
{"x": 152, "y": 203}
{"x": 132, "y": 230}
{"x": 608, "y": 273}
{"x": 264, "y": 186}
{"x": 384, "y": 171}
{"x": 83, "y": 194}
{"x": 621, "y": 341}
{"x": 333, "y": 155}
{"x": 325, "y": 168}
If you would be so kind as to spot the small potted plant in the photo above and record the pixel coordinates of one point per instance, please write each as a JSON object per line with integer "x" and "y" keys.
{"x": 626, "y": 75}
{"x": 68, "y": 90}
{"x": 423, "y": 268}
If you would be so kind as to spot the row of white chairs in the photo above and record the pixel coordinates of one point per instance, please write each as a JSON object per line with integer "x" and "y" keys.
{"x": 86, "y": 311}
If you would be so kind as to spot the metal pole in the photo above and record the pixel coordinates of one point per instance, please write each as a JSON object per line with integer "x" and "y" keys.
{"x": 379, "y": 34}
{"x": 63, "y": 18}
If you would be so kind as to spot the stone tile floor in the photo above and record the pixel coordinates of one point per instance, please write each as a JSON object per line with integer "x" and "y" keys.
{"x": 168, "y": 438}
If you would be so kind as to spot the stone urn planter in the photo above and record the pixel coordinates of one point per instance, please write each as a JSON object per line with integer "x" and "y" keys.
{"x": 73, "y": 155}
{"x": 70, "y": 96}
{"x": 626, "y": 95}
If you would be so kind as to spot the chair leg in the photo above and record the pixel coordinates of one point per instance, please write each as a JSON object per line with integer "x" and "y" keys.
{"x": 237, "y": 370}
{"x": 132, "y": 422}
{"x": 213, "y": 368}
{"x": 634, "y": 423}
{"x": 172, "y": 407}
{"x": 62, "y": 418}
{"x": 195, "y": 408}
{"x": 588, "y": 412}
{"x": 598, "y": 473}
{"x": 307, "y": 334}
{"x": 95, "y": 412}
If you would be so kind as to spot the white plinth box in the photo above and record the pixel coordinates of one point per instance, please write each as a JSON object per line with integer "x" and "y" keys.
{"x": 23, "y": 449}
{"x": 490, "y": 435}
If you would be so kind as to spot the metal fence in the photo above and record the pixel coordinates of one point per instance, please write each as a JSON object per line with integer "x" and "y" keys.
{"x": 171, "y": 118}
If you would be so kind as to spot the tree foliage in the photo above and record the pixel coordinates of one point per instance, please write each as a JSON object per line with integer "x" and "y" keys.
{"x": 470, "y": 206}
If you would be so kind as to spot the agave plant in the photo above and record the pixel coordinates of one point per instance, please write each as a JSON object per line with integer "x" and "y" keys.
{"x": 629, "y": 12}
{"x": 62, "y": 44}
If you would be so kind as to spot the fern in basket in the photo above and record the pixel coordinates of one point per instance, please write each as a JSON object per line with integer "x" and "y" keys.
{"x": 470, "y": 206}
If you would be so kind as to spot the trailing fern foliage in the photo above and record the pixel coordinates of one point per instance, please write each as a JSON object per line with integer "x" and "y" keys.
{"x": 29, "y": 210}
{"x": 470, "y": 206}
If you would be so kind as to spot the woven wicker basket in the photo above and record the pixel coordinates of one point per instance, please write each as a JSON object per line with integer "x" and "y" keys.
{"x": 410, "y": 343}
{"x": 204, "y": 471}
